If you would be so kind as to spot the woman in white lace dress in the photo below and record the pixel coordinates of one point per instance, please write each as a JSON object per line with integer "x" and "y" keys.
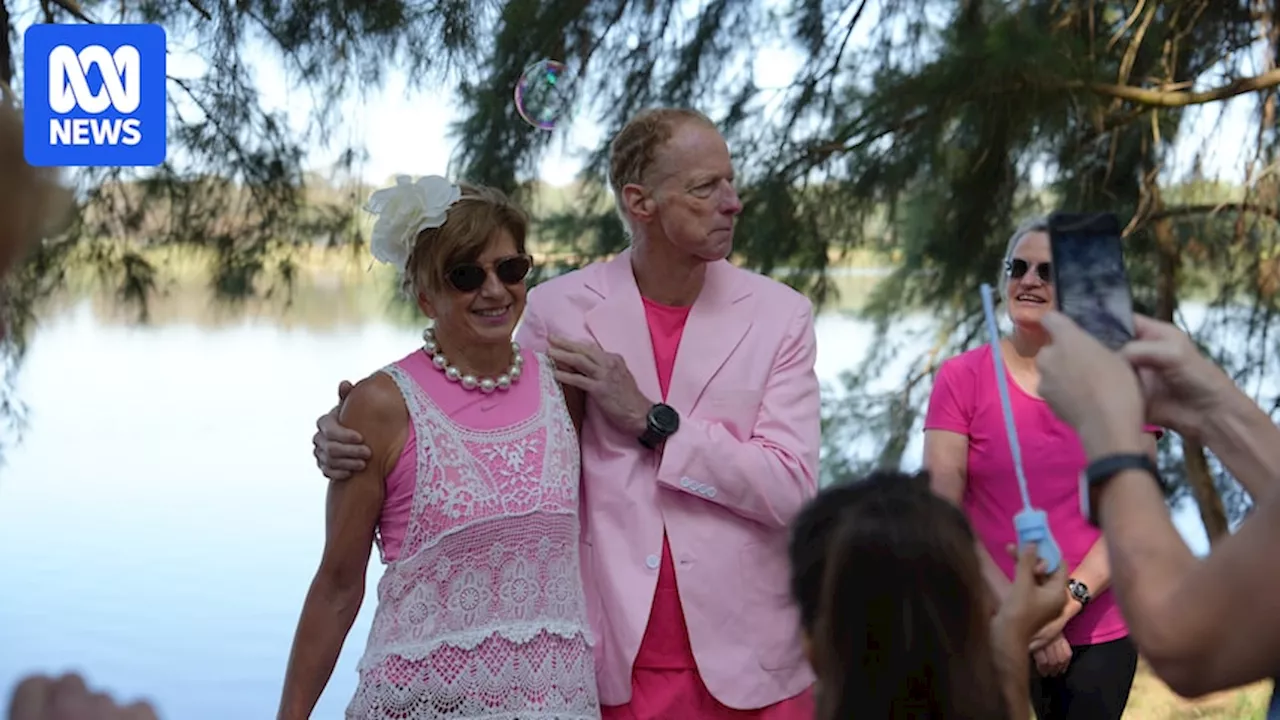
{"x": 471, "y": 494}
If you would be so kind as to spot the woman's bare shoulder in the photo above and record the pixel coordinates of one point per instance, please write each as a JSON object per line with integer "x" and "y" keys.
{"x": 375, "y": 402}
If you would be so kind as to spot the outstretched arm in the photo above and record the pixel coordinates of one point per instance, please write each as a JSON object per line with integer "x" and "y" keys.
{"x": 1203, "y": 624}
{"x": 376, "y": 410}
{"x": 1094, "y": 571}
{"x": 1246, "y": 441}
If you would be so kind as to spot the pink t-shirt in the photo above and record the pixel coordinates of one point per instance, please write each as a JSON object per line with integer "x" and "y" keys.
{"x": 468, "y": 408}
{"x": 966, "y": 400}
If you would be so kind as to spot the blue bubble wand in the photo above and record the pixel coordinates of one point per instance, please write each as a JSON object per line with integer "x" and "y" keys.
{"x": 1031, "y": 524}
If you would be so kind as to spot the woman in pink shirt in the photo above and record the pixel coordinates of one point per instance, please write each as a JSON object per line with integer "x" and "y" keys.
{"x": 1083, "y": 661}
{"x": 470, "y": 493}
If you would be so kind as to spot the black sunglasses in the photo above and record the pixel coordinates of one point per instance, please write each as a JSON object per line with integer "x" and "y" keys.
{"x": 1017, "y": 268}
{"x": 469, "y": 277}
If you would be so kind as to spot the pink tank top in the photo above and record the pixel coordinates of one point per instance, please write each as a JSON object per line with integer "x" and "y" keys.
{"x": 481, "y": 610}
{"x": 473, "y": 410}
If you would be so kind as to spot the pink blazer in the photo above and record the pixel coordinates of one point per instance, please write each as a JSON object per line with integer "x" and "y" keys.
{"x": 727, "y": 484}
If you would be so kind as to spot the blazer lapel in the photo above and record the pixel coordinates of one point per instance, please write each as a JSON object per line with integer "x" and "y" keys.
{"x": 618, "y": 323}
{"x": 717, "y": 323}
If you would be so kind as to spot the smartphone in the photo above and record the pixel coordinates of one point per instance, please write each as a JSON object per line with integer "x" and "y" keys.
{"x": 1089, "y": 276}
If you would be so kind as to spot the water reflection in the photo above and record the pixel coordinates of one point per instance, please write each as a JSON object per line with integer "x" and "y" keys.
{"x": 163, "y": 512}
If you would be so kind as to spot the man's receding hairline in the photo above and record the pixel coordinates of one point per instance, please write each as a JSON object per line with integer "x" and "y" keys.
{"x": 679, "y": 124}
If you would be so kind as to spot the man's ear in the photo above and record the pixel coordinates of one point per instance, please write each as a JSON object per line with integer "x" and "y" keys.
{"x": 637, "y": 203}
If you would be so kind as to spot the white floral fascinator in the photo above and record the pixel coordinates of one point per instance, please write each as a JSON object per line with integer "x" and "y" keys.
{"x": 406, "y": 209}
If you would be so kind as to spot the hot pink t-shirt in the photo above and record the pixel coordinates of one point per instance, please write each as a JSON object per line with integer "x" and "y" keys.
{"x": 966, "y": 400}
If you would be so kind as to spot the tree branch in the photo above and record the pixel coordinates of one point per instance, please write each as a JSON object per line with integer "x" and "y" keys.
{"x": 1179, "y": 211}
{"x": 1213, "y": 513}
{"x": 203, "y": 13}
{"x": 73, "y": 7}
{"x": 1170, "y": 98}
{"x": 818, "y": 151}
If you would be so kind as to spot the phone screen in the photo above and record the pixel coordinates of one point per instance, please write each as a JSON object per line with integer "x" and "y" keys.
{"x": 1089, "y": 276}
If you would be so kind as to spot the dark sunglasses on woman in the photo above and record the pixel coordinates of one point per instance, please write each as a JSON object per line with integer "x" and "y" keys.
{"x": 1017, "y": 268}
{"x": 469, "y": 277}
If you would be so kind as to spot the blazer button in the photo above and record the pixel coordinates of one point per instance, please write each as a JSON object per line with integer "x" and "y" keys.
{"x": 652, "y": 561}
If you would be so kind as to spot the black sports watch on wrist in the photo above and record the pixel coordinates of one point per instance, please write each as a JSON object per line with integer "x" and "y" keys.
{"x": 1100, "y": 471}
{"x": 660, "y": 424}
{"x": 1079, "y": 591}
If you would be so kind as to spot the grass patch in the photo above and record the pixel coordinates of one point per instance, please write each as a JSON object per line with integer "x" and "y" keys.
{"x": 1151, "y": 699}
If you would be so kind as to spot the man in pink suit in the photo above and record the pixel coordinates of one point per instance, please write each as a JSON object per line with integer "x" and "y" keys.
{"x": 699, "y": 439}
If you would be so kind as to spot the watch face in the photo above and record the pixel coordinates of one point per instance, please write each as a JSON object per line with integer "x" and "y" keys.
{"x": 664, "y": 418}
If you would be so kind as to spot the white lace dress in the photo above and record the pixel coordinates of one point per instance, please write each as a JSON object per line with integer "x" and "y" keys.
{"x": 482, "y": 614}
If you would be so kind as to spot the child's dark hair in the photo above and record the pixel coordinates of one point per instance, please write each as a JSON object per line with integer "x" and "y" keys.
{"x": 892, "y": 595}
{"x": 811, "y": 533}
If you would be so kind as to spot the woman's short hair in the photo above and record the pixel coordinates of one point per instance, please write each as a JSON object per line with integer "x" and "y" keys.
{"x": 636, "y": 146}
{"x": 1030, "y": 225}
{"x": 473, "y": 223}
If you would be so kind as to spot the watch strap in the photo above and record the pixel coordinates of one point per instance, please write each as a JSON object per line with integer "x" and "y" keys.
{"x": 650, "y": 438}
{"x": 1104, "y": 468}
{"x": 1100, "y": 471}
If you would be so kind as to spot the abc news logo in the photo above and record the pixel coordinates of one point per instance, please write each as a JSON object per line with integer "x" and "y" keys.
{"x": 69, "y": 89}
{"x": 95, "y": 95}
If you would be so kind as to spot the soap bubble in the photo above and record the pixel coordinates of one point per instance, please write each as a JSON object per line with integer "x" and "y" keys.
{"x": 542, "y": 95}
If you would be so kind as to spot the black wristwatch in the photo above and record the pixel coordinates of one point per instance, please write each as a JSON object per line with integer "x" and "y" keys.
{"x": 1079, "y": 591}
{"x": 661, "y": 423}
{"x": 1100, "y": 471}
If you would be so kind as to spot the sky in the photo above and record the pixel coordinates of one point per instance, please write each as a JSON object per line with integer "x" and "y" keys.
{"x": 408, "y": 133}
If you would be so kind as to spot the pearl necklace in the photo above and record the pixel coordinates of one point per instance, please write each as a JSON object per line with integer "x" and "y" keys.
{"x": 471, "y": 382}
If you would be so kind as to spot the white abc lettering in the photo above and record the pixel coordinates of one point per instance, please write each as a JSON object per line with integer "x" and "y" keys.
{"x": 121, "y": 79}
{"x": 95, "y": 131}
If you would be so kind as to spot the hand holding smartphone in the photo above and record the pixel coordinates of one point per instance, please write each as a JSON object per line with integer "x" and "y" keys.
{"x": 1089, "y": 277}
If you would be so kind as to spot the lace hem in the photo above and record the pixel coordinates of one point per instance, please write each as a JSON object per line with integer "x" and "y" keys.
{"x": 547, "y": 678}
{"x": 469, "y": 640}
{"x": 501, "y": 576}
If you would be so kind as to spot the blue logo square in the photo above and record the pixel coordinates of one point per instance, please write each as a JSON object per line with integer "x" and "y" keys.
{"x": 94, "y": 95}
